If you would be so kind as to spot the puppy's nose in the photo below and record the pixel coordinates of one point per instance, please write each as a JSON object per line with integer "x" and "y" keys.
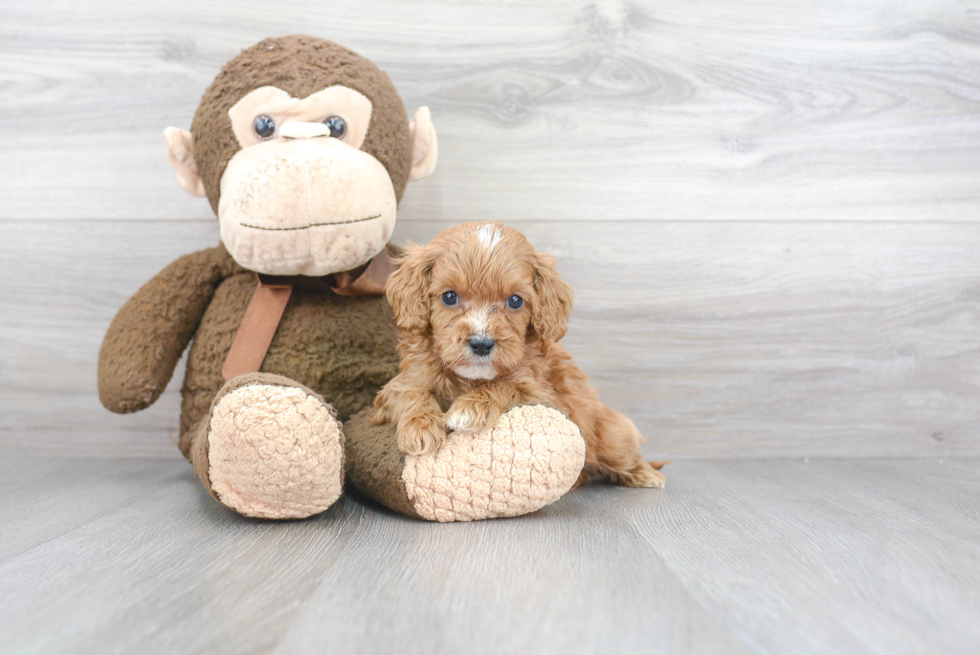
{"x": 482, "y": 345}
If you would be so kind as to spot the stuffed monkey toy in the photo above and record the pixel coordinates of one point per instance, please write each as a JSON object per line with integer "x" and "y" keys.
{"x": 304, "y": 148}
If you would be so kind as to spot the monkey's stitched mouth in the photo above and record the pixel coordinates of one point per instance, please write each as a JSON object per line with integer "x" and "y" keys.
{"x": 306, "y": 227}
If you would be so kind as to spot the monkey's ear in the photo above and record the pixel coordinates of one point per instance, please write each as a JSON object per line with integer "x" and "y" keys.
{"x": 554, "y": 304}
{"x": 408, "y": 288}
{"x": 425, "y": 148}
{"x": 180, "y": 155}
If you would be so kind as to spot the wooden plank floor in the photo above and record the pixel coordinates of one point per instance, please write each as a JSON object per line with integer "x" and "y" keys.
{"x": 760, "y": 556}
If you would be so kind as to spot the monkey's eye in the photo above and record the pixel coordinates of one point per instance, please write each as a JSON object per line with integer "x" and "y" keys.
{"x": 515, "y": 302}
{"x": 264, "y": 127}
{"x": 337, "y": 125}
{"x": 450, "y": 299}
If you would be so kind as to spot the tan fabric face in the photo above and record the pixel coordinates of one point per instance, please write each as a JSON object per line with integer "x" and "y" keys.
{"x": 302, "y": 202}
{"x": 352, "y": 106}
{"x": 305, "y": 207}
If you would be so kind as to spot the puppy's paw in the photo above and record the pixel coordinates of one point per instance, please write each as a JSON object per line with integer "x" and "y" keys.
{"x": 380, "y": 415}
{"x": 643, "y": 474}
{"x": 640, "y": 473}
{"x": 583, "y": 477}
{"x": 385, "y": 406}
{"x": 421, "y": 434}
{"x": 471, "y": 415}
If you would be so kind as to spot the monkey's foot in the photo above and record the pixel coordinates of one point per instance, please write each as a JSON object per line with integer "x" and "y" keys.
{"x": 275, "y": 451}
{"x": 526, "y": 460}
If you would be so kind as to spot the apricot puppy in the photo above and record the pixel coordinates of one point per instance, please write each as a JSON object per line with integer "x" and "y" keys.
{"x": 479, "y": 314}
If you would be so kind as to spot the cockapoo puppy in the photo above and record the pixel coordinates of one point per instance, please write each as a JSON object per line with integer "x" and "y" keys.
{"x": 480, "y": 314}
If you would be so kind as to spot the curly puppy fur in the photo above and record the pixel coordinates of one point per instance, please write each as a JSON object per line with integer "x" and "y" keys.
{"x": 479, "y": 314}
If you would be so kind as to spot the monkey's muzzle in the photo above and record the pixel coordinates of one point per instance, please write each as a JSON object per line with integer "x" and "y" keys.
{"x": 310, "y": 206}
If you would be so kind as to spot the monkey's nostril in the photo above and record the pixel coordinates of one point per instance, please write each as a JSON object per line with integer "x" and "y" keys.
{"x": 482, "y": 345}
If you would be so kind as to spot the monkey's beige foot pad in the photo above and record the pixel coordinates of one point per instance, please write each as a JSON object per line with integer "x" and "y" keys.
{"x": 527, "y": 460}
{"x": 275, "y": 452}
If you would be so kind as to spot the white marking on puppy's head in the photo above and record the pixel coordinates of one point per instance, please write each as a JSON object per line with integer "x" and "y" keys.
{"x": 476, "y": 371}
{"x": 489, "y": 235}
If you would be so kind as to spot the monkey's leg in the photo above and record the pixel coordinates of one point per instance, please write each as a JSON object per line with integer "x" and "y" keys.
{"x": 526, "y": 460}
{"x": 270, "y": 448}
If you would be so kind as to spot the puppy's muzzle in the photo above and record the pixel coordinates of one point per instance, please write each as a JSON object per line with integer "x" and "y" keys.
{"x": 481, "y": 346}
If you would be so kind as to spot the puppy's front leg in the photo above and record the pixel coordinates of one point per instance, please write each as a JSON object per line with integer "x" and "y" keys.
{"x": 482, "y": 406}
{"x": 419, "y": 422}
{"x": 479, "y": 408}
{"x": 473, "y": 411}
{"x": 423, "y": 431}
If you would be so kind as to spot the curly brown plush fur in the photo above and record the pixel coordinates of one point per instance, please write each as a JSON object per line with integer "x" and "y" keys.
{"x": 340, "y": 347}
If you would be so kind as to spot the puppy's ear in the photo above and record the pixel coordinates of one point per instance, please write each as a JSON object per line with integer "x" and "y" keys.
{"x": 554, "y": 304}
{"x": 408, "y": 288}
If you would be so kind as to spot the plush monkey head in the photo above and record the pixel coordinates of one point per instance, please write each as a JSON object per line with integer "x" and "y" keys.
{"x": 303, "y": 149}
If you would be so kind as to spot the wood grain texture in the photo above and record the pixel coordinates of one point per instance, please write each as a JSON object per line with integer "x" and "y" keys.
{"x": 718, "y": 339}
{"x": 79, "y": 493}
{"x": 759, "y": 540}
{"x": 570, "y": 110}
{"x": 869, "y": 556}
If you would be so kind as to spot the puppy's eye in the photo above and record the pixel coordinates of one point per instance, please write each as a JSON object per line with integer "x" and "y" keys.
{"x": 450, "y": 299}
{"x": 264, "y": 126}
{"x": 515, "y": 302}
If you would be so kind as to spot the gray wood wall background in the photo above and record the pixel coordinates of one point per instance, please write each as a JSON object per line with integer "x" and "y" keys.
{"x": 769, "y": 209}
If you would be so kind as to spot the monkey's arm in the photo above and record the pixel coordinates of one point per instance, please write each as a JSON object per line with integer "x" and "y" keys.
{"x": 148, "y": 335}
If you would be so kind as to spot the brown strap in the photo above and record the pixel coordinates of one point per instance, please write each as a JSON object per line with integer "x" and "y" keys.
{"x": 258, "y": 326}
{"x": 265, "y": 310}
{"x": 369, "y": 283}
